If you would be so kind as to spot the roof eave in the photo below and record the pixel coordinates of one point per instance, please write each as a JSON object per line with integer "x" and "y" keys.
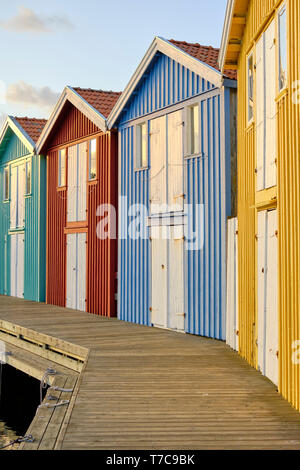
{"x": 166, "y": 47}
{"x": 19, "y": 132}
{"x": 69, "y": 94}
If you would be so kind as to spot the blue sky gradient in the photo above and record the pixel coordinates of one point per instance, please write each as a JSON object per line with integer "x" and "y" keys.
{"x": 92, "y": 43}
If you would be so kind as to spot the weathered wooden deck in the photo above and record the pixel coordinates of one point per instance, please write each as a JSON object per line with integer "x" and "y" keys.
{"x": 144, "y": 388}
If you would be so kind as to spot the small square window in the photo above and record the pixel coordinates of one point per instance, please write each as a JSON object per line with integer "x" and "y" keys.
{"x": 62, "y": 168}
{"x": 141, "y": 146}
{"x": 6, "y": 184}
{"x": 93, "y": 159}
{"x": 282, "y": 49}
{"x": 28, "y": 177}
{"x": 250, "y": 87}
{"x": 193, "y": 143}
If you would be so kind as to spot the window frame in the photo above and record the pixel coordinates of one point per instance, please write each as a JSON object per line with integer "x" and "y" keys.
{"x": 249, "y": 57}
{"x": 59, "y": 185}
{"x": 6, "y": 187}
{"x": 139, "y": 164}
{"x": 28, "y": 163}
{"x": 282, "y": 11}
{"x": 189, "y": 129}
{"x": 89, "y": 160}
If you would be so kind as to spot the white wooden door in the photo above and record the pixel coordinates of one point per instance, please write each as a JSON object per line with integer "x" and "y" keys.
{"x": 232, "y": 324}
{"x": 76, "y": 271}
{"x": 176, "y": 316}
{"x": 71, "y": 299}
{"x": 158, "y": 173}
{"x": 270, "y": 117}
{"x": 272, "y": 319}
{"x": 82, "y": 181}
{"x": 175, "y": 160}
{"x": 159, "y": 281}
{"x": 267, "y": 264}
{"x": 260, "y": 113}
{"x": 17, "y": 265}
{"x": 81, "y": 271}
{"x": 72, "y": 184}
{"x": 13, "y": 196}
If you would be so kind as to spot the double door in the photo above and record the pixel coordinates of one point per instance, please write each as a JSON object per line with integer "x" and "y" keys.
{"x": 267, "y": 289}
{"x": 167, "y": 310}
{"x": 76, "y": 271}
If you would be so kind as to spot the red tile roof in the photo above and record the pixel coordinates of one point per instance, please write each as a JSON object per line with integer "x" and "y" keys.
{"x": 102, "y": 101}
{"x": 207, "y": 54}
{"x": 33, "y": 127}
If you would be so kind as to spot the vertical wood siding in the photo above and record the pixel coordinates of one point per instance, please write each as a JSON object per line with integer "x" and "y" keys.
{"x": 35, "y": 220}
{"x": 72, "y": 125}
{"x": 167, "y": 82}
{"x": 56, "y": 240}
{"x": 102, "y": 254}
{"x": 288, "y": 171}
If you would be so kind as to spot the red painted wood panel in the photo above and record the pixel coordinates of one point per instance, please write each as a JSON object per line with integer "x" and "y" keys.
{"x": 56, "y": 249}
{"x": 102, "y": 254}
{"x": 71, "y": 125}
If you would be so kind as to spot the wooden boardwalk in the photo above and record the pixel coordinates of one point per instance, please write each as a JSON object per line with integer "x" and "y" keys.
{"x": 144, "y": 388}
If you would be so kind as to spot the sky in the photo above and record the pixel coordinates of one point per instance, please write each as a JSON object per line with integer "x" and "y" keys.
{"x": 88, "y": 43}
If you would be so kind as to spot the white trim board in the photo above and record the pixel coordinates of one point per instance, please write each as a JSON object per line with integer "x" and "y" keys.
{"x": 162, "y": 45}
{"x": 18, "y": 130}
{"x": 226, "y": 31}
{"x": 81, "y": 104}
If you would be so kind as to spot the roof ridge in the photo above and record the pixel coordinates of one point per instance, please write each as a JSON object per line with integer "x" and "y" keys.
{"x": 95, "y": 89}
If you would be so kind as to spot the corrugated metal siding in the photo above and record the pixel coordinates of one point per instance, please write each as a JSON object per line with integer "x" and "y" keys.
{"x": 56, "y": 240}
{"x": 288, "y": 166}
{"x": 72, "y": 125}
{"x": 134, "y": 255}
{"x": 205, "y": 269}
{"x": 166, "y": 82}
{"x": 102, "y": 254}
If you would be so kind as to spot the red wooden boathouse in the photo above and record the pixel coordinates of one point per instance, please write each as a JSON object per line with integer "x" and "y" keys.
{"x": 81, "y": 175}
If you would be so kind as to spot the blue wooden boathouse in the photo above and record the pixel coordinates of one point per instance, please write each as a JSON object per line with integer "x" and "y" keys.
{"x": 177, "y": 174}
{"x": 23, "y": 210}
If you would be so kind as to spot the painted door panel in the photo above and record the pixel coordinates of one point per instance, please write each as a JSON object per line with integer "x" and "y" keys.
{"x": 272, "y": 300}
{"x": 260, "y": 113}
{"x": 76, "y": 271}
{"x": 270, "y": 90}
{"x": 159, "y": 279}
{"x": 71, "y": 299}
{"x": 175, "y": 160}
{"x": 82, "y": 181}
{"x": 158, "y": 156}
{"x": 267, "y": 294}
{"x": 17, "y": 265}
{"x": 232, "y": 325}
{"x": 72, "y": 184}
{"x": 21, "y": 196}
{"x": 81, "y": 270}
{"x": 13, "y": 196}
{"x": 176, "y": 317}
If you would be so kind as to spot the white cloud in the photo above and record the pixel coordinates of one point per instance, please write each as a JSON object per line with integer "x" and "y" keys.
{"x": 29, "y": 22}
{"x": 26, "y": 94}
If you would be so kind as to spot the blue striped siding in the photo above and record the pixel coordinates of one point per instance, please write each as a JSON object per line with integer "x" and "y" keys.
{"x": 166, "y": 83}
{"x": 207, "y": 181}
{"x": 134, "y": 255}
